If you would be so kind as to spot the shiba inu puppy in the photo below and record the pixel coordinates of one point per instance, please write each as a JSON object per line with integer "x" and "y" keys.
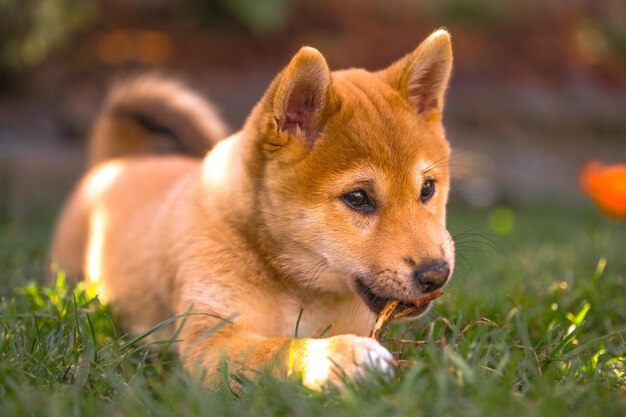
{"x": 330, "y": 201}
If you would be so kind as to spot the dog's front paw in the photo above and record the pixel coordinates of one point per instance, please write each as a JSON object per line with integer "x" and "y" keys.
{"x": 345, "y": 357}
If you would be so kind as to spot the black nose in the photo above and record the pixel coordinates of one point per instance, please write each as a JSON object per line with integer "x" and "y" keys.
{"x": 431, "y": 275}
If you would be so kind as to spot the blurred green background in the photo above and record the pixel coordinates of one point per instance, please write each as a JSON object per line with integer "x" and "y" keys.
{"x": 538, "y": 85}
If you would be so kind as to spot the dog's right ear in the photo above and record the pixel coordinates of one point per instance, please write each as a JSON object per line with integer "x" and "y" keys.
{"x": 301, "y": 96}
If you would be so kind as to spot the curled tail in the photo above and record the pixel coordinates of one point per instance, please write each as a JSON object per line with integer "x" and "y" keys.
{"x": 151, "y": 114}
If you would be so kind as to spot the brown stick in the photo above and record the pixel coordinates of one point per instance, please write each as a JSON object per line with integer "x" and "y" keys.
{"x": 382, "y": 319}
{"x": 387, "y": 313}
{"x": 418, "y": 303}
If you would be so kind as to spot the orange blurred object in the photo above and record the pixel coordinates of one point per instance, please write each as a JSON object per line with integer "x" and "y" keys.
{"x": 148, "y": 47}
{"x": 606, "y": 186}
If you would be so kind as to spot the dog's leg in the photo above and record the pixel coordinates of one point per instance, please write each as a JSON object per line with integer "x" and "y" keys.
{"x": 317, "y": 362}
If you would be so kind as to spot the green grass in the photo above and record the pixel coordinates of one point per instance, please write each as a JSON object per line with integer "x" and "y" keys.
{"x": 533, "y": 325}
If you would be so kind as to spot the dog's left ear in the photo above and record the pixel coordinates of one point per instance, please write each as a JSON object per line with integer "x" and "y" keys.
{"x": 422, "y": 76}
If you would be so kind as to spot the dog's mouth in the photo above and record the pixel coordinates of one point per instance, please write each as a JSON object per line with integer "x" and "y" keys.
{"x": 377, "y": 303}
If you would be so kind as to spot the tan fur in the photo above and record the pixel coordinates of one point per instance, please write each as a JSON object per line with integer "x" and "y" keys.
{"x": 258, "y": 229}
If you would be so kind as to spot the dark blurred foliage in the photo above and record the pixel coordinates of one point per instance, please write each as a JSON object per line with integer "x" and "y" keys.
{"x": 551, "y": 40}
{"x": 261, "y": 17}
{"x": 30, "y": 30}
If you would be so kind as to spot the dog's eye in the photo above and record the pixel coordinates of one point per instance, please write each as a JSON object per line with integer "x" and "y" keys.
{"x": 359, "y": 200}
{"x": 428, "y": 189}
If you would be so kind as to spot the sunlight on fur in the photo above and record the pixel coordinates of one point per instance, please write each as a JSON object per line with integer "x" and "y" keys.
{"x": 97, "y": 184}
{"x": 217, "y": 165}
{"x": 101, "y": 179}
{"x": 93, "y": 267}
{"x": 315, "y": 365}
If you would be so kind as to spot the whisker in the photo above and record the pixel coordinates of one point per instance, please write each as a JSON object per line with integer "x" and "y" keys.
{"x": 488, "y": 244}
{"x": 445, "y": 159}
{"x": 488, "y": 240}
{"x": 467, "y": 262}
{"x": 471, "y": 230}
{"x": 318, "y": 266}
{"x": 460, "y": 249}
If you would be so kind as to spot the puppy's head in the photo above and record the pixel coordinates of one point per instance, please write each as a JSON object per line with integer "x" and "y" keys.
{"x": 354, "y": 179}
